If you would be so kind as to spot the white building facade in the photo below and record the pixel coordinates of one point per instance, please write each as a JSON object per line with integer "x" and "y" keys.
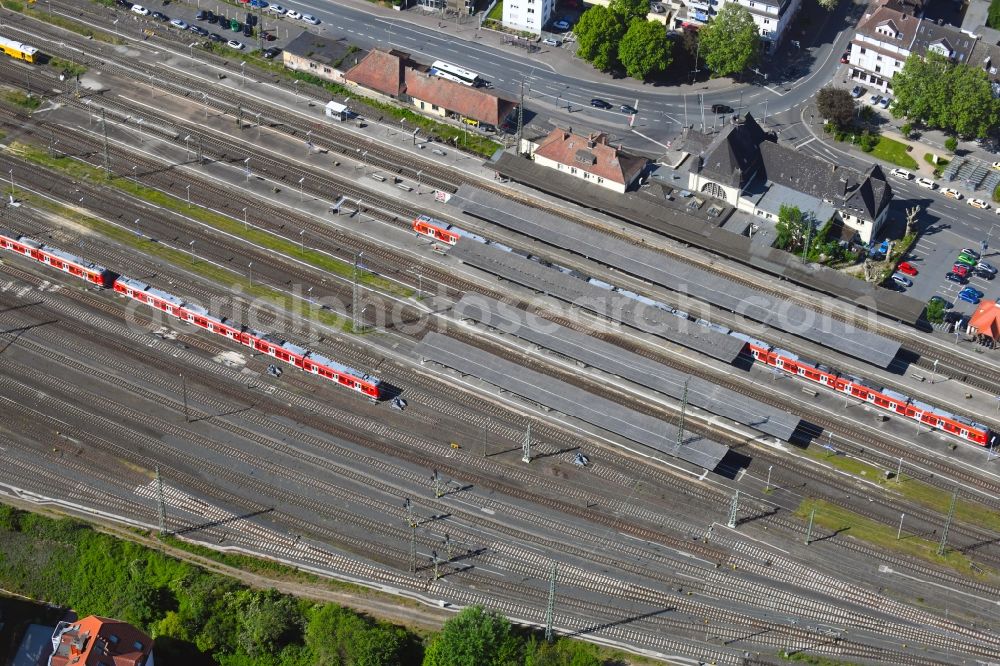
{"x": 528, "y": 15}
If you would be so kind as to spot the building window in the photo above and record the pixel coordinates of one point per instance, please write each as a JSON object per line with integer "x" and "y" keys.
{"x": 599, "y": 180}
{"x": 326, "y": 70}
{"x": 767, "y": 21}
{"x": 530, "y": 10}
{"x": 586, "y": 175}
{"x": 434, "y": 107}
{"x": 879, "y": 58}
{"x": 878, "y": 68}
{"x": 572, "y": 170}
{"x": 714, "y": 190}
{"x": 863, "y": 50}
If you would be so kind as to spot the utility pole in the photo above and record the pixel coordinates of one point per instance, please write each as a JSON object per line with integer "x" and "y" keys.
{"x": 809, "y": 530}
{"x": 520, "y": 120}
{"x": 107, "y": 160}
{"x": 486, "y": 438}
{"x": 684, "y": 404}
{"x": 434, "y": 559}
{"x": 161, "y": 504}
{"x": 356, "y": 297}
{"x": 526, "y": 447}
{"x": 942, "y": 546}
{"x": 550, "y": 607}
{"x": 184, "y": 390}
{"x": 447, "y": 547}
{"x": 412, "y": 522}
{"x": 436, "y": 479}
{"x": 701, "y": 105}
{"x": 734, "y": 509}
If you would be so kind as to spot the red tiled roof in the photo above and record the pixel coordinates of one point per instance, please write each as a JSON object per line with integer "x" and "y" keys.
{"x": 99, "y": 640}
{"x": 381, "y": 71}
{"x": 591, "y": 154}
{"x": 464, "y": 100}
{"x": 901, "y": 22}
{"x": 987, "y": 320}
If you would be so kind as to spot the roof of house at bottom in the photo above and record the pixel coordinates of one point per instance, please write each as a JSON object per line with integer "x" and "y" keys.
{"x": 476, "y": 103}
{"x": 593, "y": 153}
{"x": 95, "y": 640}
{"x": 382, "y": 71}
{"x": 986, "y": 320}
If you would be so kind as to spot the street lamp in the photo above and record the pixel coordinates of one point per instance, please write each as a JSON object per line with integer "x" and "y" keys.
{"x": 191, "y": 48}
{"x": 250, "y": 272}
{"x": 189, "y": 195}
{"x": 246, "y": 225}
{"x": 301, "y": 188}
{"x": 139, "y": 122}
{"x": 246, "y": 164}
{"x": 364, "y": 158}
{"x": 11, "y": 184}
{"x": 419, "y": 174}
{"x": 138, "y": 232}
{"x": 243, "y": 73}
{"x": 204, "y": 99}
{"x": 302, "y": 241}
{"x": 192, "y": 248}
{"x": 187, "y": 145}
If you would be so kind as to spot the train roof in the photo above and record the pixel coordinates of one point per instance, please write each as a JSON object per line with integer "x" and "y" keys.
{"x": 746, "y": 338}
{"x": 343, "y": 369}
{"x": 896, "y": 394}
{"x": 152, "y": 291}
{"x": 30, "y": 242}
{"x": 24, "y": 48}
{"x": 72, "y": 258}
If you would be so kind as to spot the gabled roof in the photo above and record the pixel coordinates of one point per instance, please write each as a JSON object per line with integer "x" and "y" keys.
{"x": 986, "y": 320}
{"x": 888, "y": 14}
{"x": 381, "y": 71}
{"x": 592, "y": 154}
{"x": 955, "y": 41}
{"x": 864, "y": 195}
{"x": 332, "y": 52}
{"x": 477, "y": 103}
{"x": 99, "y": 640}
{"x": 734, "y": 156}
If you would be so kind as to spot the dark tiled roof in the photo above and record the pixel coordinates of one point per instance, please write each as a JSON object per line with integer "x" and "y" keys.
{"x": 467, "y": 101}
{"x": 733, "y": 156}
{"x": 904, "y": 23}
{"x": 958, "y": 44}
{"x": 381, "y": 71}
{"x": 986, "y": 56}
{"x": 332, "y": 52}
{"x": 864, "y": 195}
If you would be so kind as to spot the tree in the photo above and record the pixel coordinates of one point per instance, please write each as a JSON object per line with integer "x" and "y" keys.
{"x": 266, "y": 620}
{"x": 729, "y": 42}
{"x": 993, "y": 15}
{"x": 645, "y": 50}
{"x": 836, "y": 105}
{"x": 973, "y": 111}
{"x": 951, "y": 144}
{"x": 598, "y": 33}
{"x": 629, "y": 10}
{"x": 339, "y": 637}
{"x": 792, "y": 227}
{"x": 829, "y": 5}
{"x": 935, "y": 311}
{"x": 474, "y": 637}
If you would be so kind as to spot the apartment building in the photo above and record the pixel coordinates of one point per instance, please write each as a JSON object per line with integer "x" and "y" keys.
{"x": 528, "y": 15}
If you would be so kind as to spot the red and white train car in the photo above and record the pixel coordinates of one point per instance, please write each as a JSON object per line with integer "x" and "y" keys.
{"x": 866, "y": 390}
{"x": 264, "y": 343}
{"x": 442, "y": 231}
{"x": 53, "y": 256}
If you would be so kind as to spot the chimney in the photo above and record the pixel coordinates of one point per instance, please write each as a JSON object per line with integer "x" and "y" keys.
{"x": 590, "y": 141}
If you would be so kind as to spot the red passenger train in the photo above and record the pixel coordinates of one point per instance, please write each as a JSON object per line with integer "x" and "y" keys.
{"x": 857, "y": 387}
{"x": 265, "y": 343}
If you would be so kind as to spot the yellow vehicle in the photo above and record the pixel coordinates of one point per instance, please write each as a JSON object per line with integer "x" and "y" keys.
{"x": 18, "y": 50}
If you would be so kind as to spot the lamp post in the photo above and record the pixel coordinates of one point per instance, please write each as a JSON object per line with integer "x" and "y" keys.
{"x": 189, "y": 195}
{"x": 204, "y": 100}
{"x": 364, "y": 161}
{"x": 250, "y": 272}
{"x": 246, "y": 164}
{"x": 138, "y": 232}
{"x": 11, "y": 184}
{"x": 419, "y": 175}
{"x": 302, "y": 241}
{"x": 243, "y": 73}
{"x": 192, "y": 249}
{"x": 187, "y": 145}
{"x": 139, "y": 122}
{"x": 246, "y": 224}
{"x": 134, "y": 177}
{"x": 301, "y": 188}
{"x": 767, "y": 488}
{"x": 191, "y": 48}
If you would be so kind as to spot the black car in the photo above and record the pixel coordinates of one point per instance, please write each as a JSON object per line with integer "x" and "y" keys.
{"x": 721, "y": 108}
{"x": 599, "y": 104}
{"x": 248, "y": 30}
{"x": 251, "y": 19}
{"x": 955, "y": 277}
{"x": 124, "y": 3}
{"x": 983, "y": 273}
{"x": 211, "y": 17}
{"x": 631, "y": 110}
{"x": 198, "y": 30}
{"x": 271, "y": 52}
{"x": 159, "y": 16}
{"x": 216, "y": 38}
{"x": 201, "y": 15}
{"x": 268, "y": 36}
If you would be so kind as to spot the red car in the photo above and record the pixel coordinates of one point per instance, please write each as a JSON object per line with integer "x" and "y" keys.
{"x": 960, "y": 270}
{"x": 907, "y": 268}
{"x": 844, "y": 58}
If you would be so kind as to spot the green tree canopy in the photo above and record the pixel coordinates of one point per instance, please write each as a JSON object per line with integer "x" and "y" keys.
{"x": 836, "y": 105}
{"x": 339, "y": 637}
{"x": 474, "y": 637}
{"x": 598, "y": 33}
{"x": 729, "y": 42}
{"x": 993, "y": 15}
{"x": 792, "y": 228}
{"x": 941, "y": 94}
{"x": 645, "y": 49}
{"x": 630, "y": 10}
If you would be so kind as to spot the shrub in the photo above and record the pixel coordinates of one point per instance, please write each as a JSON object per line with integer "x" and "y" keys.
{"x": 868, "y": 141}
{"x": 906, "y": 129}
{"x": 951, "y": 143}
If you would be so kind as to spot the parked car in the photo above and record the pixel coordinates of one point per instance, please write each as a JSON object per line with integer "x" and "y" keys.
{"x": 901, "y": 173}
{"x": 907, "y": 267}
{"x": 271, "y": 52}
{"x": 292, "y": 14}
{"x": 310, "y": 19}
{"x": 721, "y": 108}
{"x": 140, "y": 10}
{"x": 233, "y": 44}
{"x": 561, "y": 24}
{"x": 198, "y": 30}
{"x": 947, "y": 305}
{"x": 884, "y": 102}
{"x": 630, "y": 110}
{"x": 201, "y": 15}
{"x": 972, "y": 253}
{"x": 857, "y": 91}
{"x": 960, "y": 270}
{"x": 986, "y": 266}
{"x": 551, "y": 41}
{"x": 967, "y": 260}
{"x": 968, "y": 297}
{"x": 179, "y": 23}
{"x": 983, "y": 273}
{"x": 159, "y": 16}
{"x": 210, "y": 17}
{"x": 845, "y": 57}
{"x": 978, "y": 203}
{"x": 277, "y": 9}
{"x": 902, "y": 280}
{"x": 268, "y": 36}
{"x": 954, "y": 277}
{"x": 124, "y": 3}
{"x": 926, "y": 183}
{"x": 951, "y": 193}
{"x": 874, "y": 99}
{"x": 599, "y": 104}
{"x": 247, "y": 30}
{"x": 215, "y": 37}
{"x": 972, "y": 290}
{"x": 258, "y": 3}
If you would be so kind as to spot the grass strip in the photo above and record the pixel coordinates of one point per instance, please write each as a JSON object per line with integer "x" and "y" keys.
{"x": 62, "y": 22}
{"x": 86, "y": 172}
{"x": 838, "y": 519}
{"x": 922, "y": 493}
{"x": 814, "y": 660}
{"x": 455, "y": 136}
{"x": 21, "y": 99}
{"x": 188, "y": 262}
{"x": 68, "y": 67}
{"x": 893, "y": 151}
